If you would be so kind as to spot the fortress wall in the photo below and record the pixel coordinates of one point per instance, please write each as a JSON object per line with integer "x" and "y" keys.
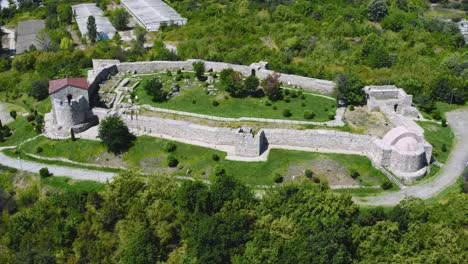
{"x": 186, "y": 130}
{"x": 324, "y": 139}
{"x": 69, "y": 115}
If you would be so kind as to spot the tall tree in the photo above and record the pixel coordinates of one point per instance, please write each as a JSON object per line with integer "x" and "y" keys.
{"x": 119, "y": 18}
{"x": 92, "y": 29}
{"x": 115, "y": 134}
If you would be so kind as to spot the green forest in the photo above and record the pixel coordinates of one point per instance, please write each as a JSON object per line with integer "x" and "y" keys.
{"x": 155, "y": 219}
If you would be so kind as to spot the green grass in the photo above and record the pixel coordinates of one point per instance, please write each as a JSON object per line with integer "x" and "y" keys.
{"x": 438, "y": 136}
{"x": 68, "y": 184}
{"x": 195, "y": 100}
{"x": 85, "y": 151}
{"x": 149, "y": 155}
{"x": 21, "y": 130}
{"x": 442, "y": 108}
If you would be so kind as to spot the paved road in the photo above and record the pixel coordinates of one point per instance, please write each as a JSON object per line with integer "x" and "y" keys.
{"x": 34, "y": 167}
{"x": 454, "y": 167}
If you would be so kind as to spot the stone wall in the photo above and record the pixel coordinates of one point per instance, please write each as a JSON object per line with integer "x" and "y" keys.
{"x": 67, "y": 115}
{"x": 259, "y": 69}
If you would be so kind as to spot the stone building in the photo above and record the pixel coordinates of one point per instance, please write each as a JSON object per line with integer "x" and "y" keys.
{"x": 392, "y": 97}
{"x": 70, "y": 106}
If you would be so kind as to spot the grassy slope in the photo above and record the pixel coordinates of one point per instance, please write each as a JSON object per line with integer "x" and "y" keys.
{"x": 148, "y": 154}
{"x": 195, "y": 100}
{"x": 21, "y": 130}
{"x": 437, "y": 136}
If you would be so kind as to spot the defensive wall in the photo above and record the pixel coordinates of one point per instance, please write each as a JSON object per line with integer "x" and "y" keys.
{"x": 260, "y": 70}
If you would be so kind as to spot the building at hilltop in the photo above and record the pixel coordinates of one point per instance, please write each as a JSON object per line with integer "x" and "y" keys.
{"x": 70, "y": 106}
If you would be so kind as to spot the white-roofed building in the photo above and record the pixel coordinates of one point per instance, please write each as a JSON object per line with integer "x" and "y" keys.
{"x": 152, "y": 13}
{"x": 104, "y": 27}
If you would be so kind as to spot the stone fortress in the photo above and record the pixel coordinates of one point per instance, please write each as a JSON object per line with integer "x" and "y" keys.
{"x": 403, "y": 150}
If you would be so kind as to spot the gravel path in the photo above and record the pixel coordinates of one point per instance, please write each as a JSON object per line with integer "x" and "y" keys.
{"x": 449, "y": 174}
{"x": 75, "y": 173}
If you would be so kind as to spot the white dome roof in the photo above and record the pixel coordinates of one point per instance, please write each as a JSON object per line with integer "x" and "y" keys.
{"x": 407, "y": 144}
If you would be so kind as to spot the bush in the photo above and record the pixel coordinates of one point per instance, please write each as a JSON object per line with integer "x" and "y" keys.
{"x": 268, "y": 103}
{"x": 444, "y": 122}
{"x": 219, "y": 171}
{"x": 436, "y": 115}
{"x": 302, "y": 96}
{"x": 309, "y": 173}
{"x": 303, "y": 105}
{"x": 286, "y": 91}
{"x": 351, "y": 108}
{"x": 194, "y": 101}
{"x": 354, "y": 174}
{"x": 287, "y": 113}
{"x": 287, "y": 99}
{"x": 39, "y": 89}
{"x": 387, "y": 185}
{"x": 278, "y": 178}
{"x": 331, "y": 116}
{"x": 170, "y": 147}
{"x": 30, "y": 118}
{"x": 215, "y": 103}
{"x": 215, "y": 157}
{"x": 13, "y": 114}
{"x": 114, "y": 133}
{"x": 172, "y": 161}
{"x": 444, "y": 148}
{"x": 44, "y": 173}
{"x": 316, "y": 180}
{"x": 274, "y": 107}
{"x": 39, "y": 150}
{"x": 309, "y": 115}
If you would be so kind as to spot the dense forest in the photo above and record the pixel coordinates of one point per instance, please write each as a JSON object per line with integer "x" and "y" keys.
{"x": 157, "y": 219}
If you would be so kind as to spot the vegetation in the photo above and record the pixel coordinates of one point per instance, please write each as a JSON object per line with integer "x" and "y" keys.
{"x": 115, "y": 134}
{"x": 147, "y": 220}
{"x": 441, "y": 138}
{"x": 92, "y": 30}
{"x": 196, "y": 100}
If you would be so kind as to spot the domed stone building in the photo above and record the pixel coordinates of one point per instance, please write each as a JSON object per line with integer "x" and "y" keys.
{"x": 405, "y": 153}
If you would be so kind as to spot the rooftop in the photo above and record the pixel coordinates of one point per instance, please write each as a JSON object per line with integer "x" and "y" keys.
{"x": 103, "y": 25}
{"x": 56, "y": 85}
{"x": 151, "y": 13}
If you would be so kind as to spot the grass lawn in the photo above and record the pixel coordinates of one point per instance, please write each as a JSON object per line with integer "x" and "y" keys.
{"x": 149, "y": 155}
{"x": 68, "y": 184}
{"x": 21, "y": 130}
{"x": 442, "y": 108}
{"x": 438, "y": 136}
{"x": 195, "y": 100}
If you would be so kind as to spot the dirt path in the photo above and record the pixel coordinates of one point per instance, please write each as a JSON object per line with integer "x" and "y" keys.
{"x": 449, "y": 174}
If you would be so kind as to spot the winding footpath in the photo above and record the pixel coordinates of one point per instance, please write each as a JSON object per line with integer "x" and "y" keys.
{"x": 56, "y": 170}
{"x": 448, "y": 176}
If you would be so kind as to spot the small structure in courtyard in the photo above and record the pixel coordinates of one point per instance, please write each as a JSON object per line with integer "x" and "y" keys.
{"x": 70, "y": 106}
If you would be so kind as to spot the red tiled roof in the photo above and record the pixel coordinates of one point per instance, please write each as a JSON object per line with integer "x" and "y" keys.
{"x": 56, "y": 85}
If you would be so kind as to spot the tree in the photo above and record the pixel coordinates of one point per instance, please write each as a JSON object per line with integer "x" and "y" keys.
{"x": 271, "y": 86}
{"x": 232, "y": 82}
{"x": 119, "y": 18}
{"x": 92, "y": 29}
{"x": 115, "y": 134}
{"x": 374, "y": 52}
{"x": 140, "y": 34}
{"x": 349, "y": 89}
{"x": 377, "y": 10}
{"x": 199, "y": 68}
{"x": 251, "y": 84}
{"x": 154, "y": 88}
{"x": 39, "y": 89}
{"x": 65, "y": 14}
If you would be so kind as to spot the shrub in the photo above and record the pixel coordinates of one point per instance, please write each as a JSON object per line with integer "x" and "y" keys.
{"x": 293, "y": 94}
{"x": 354, "y": 174}
{"x": 351, "y": 108}
{"x": 444, "y": 148}
{"x": 30, "y": 118}
{"x": 436, "y": 115}
{"x": 168, "y": 73}
{"x": 215, "y": 157}
{"x": 287, "y": 99}
{"x": 13, "y": 114}
{"x": 172, "y": 161}
{"x": 316, "y": 180}
{"x": 278, "y": 178}
{"x": 287, "y": 113}
{"x": 268, "y": 103}
{"x": 326, "y": 109}
{"x": 44, "y": 173}
{"x": 286, "y": 91}
{"x": 114, "y": 133}
{"x": 215, "y": 103}
{"x": 39, "y": 150}
{"x": 302, "y": 96}
{"x": 387, "y": 185}
{"x": 331, "y": 116}
{"x": 303, "y": 105}
{"x": 274, "y": 107}
{"x": 309, "y": 173}
{"x": 170, "y": 147}
{"x": 444, "y": 122}
{"x": 194, "y": 101}
{"x": 219, "y": 171}
{"x": 39, "y": 89}
{"x": 309, "y": 115}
